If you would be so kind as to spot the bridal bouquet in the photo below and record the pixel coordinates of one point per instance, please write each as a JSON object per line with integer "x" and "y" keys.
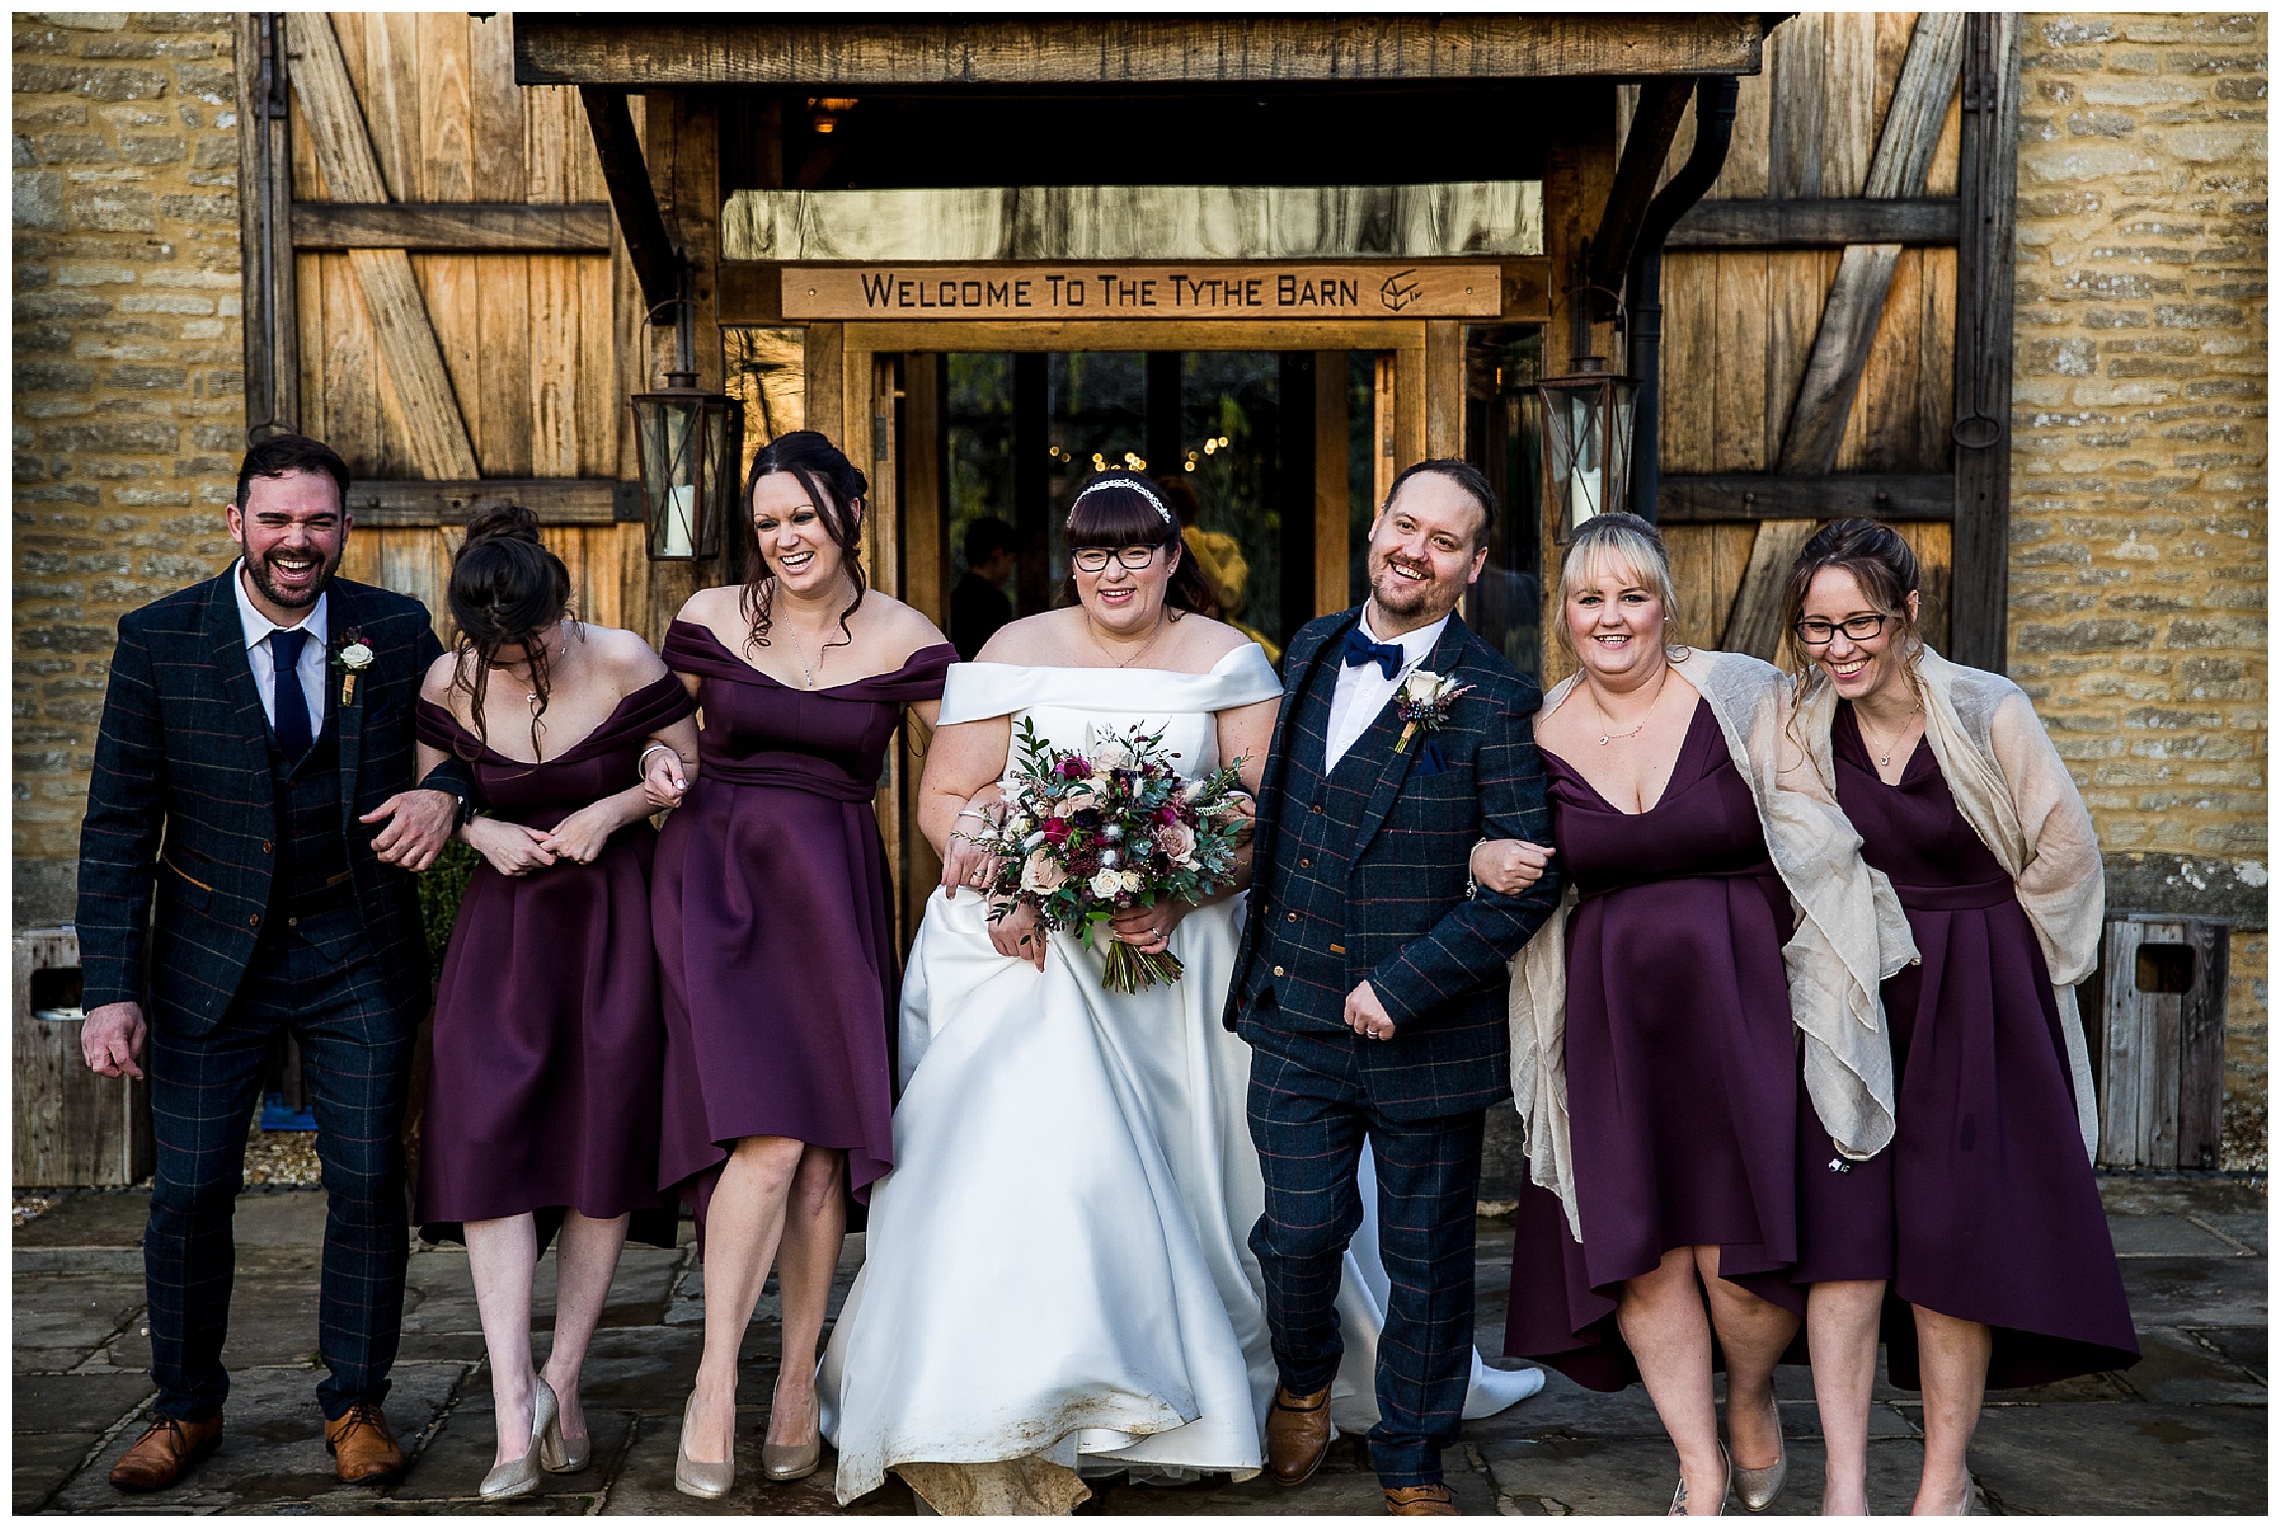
{"x": 1088, "y": 835}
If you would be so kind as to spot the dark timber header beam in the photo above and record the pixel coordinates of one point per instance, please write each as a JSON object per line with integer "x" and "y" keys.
{"x": 639, "y": 53}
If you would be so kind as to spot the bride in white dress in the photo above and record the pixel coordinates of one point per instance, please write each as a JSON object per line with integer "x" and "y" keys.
{"x": 1056, "y": 1275}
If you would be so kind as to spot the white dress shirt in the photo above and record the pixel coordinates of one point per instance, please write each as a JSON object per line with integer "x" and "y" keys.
{"x": 310, "y": 670}
{"x": 1363, "y": 690}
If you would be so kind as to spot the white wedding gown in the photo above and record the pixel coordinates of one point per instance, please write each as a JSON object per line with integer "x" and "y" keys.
{"x": 1056, "y": 1274}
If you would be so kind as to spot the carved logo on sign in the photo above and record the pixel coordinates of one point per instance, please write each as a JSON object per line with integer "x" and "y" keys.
{"x": 1132, "y": 291}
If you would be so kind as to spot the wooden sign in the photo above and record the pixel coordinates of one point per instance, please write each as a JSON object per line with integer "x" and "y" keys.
{"x": 1381, "y": 289}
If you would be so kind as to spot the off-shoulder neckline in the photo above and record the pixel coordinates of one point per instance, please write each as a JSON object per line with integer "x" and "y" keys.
{"x": 761, "y": 674}
{"x": 1070, "y": 668}
{"x": 593, "y": 732}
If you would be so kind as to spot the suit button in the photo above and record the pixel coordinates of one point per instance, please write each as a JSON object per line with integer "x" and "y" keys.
{"x": 1290, "y": 917}
{"x": 1316, "y": 810}
{"x": 267, "y": 847}
{"x": 292, "y": 922}
{"x": 1278, "y": 970}
{"x": 1304, "y": 863}
{"x": 254, "y": 921}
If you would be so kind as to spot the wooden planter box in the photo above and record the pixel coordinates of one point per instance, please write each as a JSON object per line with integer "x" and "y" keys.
{"x": 2161, "y": 1077}
{"x": 73, "y": 1128}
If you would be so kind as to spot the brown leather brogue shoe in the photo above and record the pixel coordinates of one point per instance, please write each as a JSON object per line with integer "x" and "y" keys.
{"x": 1298, "y": 1435}
{"x": 1419, "y": 1501}
{"x": 166, "y": 1452}
{"x": 364, "y": 1450}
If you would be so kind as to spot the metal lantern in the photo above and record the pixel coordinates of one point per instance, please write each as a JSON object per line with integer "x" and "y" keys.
{"x": 691, "y": 445}
{"x": 1587, "y": 441}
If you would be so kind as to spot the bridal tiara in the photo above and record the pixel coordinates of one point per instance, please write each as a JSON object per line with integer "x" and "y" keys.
{"x": 1135, "y": 486}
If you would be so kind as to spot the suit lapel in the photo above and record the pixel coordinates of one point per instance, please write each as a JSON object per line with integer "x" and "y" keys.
{"x": 341, "y": 618}
{"x": 1299, "y": 670}
{"x": 1385, "y": 732}
{"x": 225, "y": 634}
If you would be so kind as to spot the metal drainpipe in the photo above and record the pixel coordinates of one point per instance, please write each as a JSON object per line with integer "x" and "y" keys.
{"x": 1713, "y": 132}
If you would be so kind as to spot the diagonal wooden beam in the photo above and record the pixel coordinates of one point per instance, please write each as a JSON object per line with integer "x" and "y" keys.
{"x": 1662, "y": 107}
{"x": 433, "y": 426}
{"x": 1864, "y": 274}
{"x": 647, "y": 245}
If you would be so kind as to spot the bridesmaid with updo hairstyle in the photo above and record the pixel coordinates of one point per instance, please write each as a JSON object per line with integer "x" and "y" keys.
{"x": 543, "y": 1085}
{"x": 775, "y": 930}
{"x": 1977, "y": 1242}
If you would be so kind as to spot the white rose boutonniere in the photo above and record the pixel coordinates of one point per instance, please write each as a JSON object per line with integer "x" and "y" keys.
{"x": 1424, "y": 703}
{"x": 352, "y": 658}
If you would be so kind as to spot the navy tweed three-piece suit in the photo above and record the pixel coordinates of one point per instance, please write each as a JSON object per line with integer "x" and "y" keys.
{"x": 1361, "y": 874}
{"x": 273, "y": 912}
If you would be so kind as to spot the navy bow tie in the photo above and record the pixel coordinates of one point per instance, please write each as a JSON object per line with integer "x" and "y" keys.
{"x": 1360, "y": 650}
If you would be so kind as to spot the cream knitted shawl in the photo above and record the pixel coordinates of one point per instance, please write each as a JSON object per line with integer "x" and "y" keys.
{"x": 1850, "y": 935}
{"x": 2011, "y": 786}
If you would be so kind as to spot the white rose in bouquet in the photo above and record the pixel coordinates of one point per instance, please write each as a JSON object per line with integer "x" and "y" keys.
{"x": 1042, "y": 875}
{"x": 1133, "y": 880}
{"x": 1106, "y": 755}
{"x": 1106, "y": 883}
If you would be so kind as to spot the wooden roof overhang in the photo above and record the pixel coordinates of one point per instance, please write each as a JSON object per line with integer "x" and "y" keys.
{"x": 643, "y": 52}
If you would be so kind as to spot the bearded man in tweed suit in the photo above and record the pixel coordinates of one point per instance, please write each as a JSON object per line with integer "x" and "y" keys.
{"x": 254, "y": 773}
{"x": 1371, "y": 981}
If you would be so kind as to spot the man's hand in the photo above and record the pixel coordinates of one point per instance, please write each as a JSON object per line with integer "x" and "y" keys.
{"x": 112, "y": 1040}
{"x": 419, "y": 825}
{"x": 1366, "y": 1016}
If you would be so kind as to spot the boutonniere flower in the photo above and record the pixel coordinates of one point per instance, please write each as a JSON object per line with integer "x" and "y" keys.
{"x": 1424, "y": 703}
{"x": 352, "y": 657}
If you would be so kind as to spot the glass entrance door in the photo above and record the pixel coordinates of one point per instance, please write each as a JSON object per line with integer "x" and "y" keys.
{"x": 1229, "y": 436}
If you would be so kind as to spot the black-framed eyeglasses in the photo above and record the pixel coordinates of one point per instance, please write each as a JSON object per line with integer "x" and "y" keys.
{"x": 1094, "y": 559}
{"x": 1814, "y": 632}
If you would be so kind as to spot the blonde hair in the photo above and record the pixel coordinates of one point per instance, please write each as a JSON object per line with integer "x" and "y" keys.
{"x": 1629, "y": 543}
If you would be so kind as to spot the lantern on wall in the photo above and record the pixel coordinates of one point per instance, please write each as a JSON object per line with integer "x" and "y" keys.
{"x": 1587, "y": 419}
{"x": 691, "y": 445}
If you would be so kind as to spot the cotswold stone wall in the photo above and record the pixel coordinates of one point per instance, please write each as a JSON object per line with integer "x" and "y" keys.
{"x": 129, "y": 412}
{"x": 2138, "y": 466}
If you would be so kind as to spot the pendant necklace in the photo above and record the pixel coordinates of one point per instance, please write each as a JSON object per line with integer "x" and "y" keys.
{"x": 1161, "y": 623}
{"x": 1883, "y": 759}
{"x": 1616, "y": 737}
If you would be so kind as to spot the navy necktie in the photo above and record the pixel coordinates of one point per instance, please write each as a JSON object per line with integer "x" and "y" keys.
{"x": 1360, "y": 650}
{"x": 290, "y": 701}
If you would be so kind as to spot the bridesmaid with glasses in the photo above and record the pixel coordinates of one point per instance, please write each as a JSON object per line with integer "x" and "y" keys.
{"x": 1976, "y": 1245}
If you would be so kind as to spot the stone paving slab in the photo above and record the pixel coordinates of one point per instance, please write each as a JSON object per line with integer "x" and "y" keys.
{"x": 2183, "y": 1431}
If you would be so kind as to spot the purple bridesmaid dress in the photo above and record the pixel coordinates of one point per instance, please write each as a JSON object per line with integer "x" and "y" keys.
{"x": 1986, "y": 1207}
{"x": 543, "y": 1075}
{"x": 773, "y": 917}
{"x": 1680, "y": 1059}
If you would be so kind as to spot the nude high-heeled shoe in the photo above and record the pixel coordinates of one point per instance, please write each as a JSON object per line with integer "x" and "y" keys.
{"x": 519, "y": 1477}
{"x": 557, "y": 1455}
{"x": 1758, "y": 1488}
{"x": 695, "y": 1478}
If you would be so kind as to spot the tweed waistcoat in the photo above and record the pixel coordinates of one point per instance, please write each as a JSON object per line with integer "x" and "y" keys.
{"x": 1303, "y": 946}
{"x": 312, "y": 858}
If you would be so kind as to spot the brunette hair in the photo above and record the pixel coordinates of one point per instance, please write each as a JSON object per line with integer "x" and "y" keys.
{"x": 1630, "y": 542}
{"x": 835, "y": 487}
{"x": 276, "y": 455}
{"x": 506, "y": 587}
{"x": 1120, "y": 509}
{"x": 1880, "y": 561}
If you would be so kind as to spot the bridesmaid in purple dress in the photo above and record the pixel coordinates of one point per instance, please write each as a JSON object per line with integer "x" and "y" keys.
{"x": 542, "y": 1090}
{"x": 1655, "y": 1054}
{"x": 1983, "y": 1221}
{"x": 775, "y": 934}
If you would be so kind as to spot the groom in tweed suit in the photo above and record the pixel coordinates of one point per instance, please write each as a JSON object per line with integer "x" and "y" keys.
{"x": 1371, "y": 982}
{"x": 254, "y": 775}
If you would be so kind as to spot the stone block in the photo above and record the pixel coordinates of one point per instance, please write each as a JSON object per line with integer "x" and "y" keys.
{"x": 2179, "y": 1459}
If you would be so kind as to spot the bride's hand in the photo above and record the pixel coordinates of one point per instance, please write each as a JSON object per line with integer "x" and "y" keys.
{"x": 966, "y": 863}
{"x": 1017, "y": 936}
{"x": 1149, "y": 929}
